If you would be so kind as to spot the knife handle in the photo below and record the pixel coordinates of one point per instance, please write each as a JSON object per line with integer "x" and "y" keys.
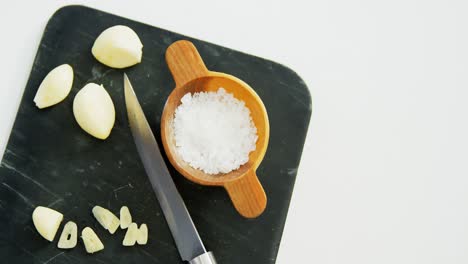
{"x": 205, "y": 258}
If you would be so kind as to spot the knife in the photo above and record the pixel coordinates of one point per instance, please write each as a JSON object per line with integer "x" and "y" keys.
{"x": 180, "y": 223}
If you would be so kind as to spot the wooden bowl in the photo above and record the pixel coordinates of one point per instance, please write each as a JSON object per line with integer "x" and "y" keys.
{"x": 191, "y": 75}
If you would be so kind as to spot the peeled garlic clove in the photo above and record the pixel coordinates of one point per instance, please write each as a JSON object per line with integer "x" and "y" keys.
{"x": 142, "y": 237}
{"x": 106, "y": 218}
{"x": 55, "y": 86}
{"x": 94, "y": 110}
{"x": 118, "y": 47}
{"x": 47, "y": 221}
{"x": 69, "y": 236}
{"x": 91, "y": 240}
{"x": 131, "y": 235}
{"x": 125, "y": 217}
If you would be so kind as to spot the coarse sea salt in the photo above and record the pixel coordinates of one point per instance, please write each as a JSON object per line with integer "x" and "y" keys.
{"x": 214, "y": 131}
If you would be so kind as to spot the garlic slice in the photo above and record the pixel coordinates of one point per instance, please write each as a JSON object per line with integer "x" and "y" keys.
{"x": 69, "y": 236}
{"x": 91, "y": 240}
{"x": 142, "y": 237}
{"x": 135, "y": 234}
{"x": 125, "y": 217}
{"x": 131, "y": 235}
{"x": 106, "y": 218}
{"x": 47, "y": 221}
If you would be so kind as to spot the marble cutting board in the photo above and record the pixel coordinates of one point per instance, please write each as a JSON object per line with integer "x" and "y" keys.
{"x": 50, "y": 161}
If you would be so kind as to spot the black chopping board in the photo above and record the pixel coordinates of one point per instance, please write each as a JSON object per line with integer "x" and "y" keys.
{"x": 50, "y": 161}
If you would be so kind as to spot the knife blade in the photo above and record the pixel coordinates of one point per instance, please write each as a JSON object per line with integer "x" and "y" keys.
{"x": 180, "y": 223}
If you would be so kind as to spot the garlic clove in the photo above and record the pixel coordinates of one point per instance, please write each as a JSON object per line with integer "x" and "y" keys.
{"x": 118, "y": 47}
{"x": 47, "y": 221}
{"x": 94, "y": 110}
{"x": 55, "y": 86}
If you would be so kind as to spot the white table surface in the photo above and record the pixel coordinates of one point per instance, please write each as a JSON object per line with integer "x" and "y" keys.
{"x": 384, "y": 174}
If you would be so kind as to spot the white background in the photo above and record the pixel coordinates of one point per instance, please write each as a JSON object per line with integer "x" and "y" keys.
{"x": 384, "y": 175}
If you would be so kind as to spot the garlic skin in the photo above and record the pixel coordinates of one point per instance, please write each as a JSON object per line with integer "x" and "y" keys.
{"x": 94, "y": 110}
{"x": 55, "y": 87}
{"x": 47, "y": 222}
{"x": 118, "y": 47}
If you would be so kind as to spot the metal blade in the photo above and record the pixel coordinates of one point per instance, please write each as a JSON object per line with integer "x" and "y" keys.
{"x": 178, "y": 218}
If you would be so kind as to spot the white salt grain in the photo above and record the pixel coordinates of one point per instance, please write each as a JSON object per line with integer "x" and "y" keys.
{"x": 214, "y": 131}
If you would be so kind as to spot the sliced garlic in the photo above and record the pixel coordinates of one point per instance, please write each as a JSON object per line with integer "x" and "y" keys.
{"x": 142, "y": 237}
{"x": 125, "y": 217}
{"x": 136, "y": 235}
{"x": 55, "y": 86}
{"x": 106, "y": 218}
{"x": 94, "y": 110}
{"x": 131, "y": 235}
{"x": 91, "y": 240}
{"x": 118, "y": 47}
{"x": 47, "y": 221}
{"x": 69, "y": 236}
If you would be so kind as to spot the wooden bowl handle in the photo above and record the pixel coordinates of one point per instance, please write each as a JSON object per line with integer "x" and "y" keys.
{"x": 185, "y": 62}
{"x": 247, "y": 195}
